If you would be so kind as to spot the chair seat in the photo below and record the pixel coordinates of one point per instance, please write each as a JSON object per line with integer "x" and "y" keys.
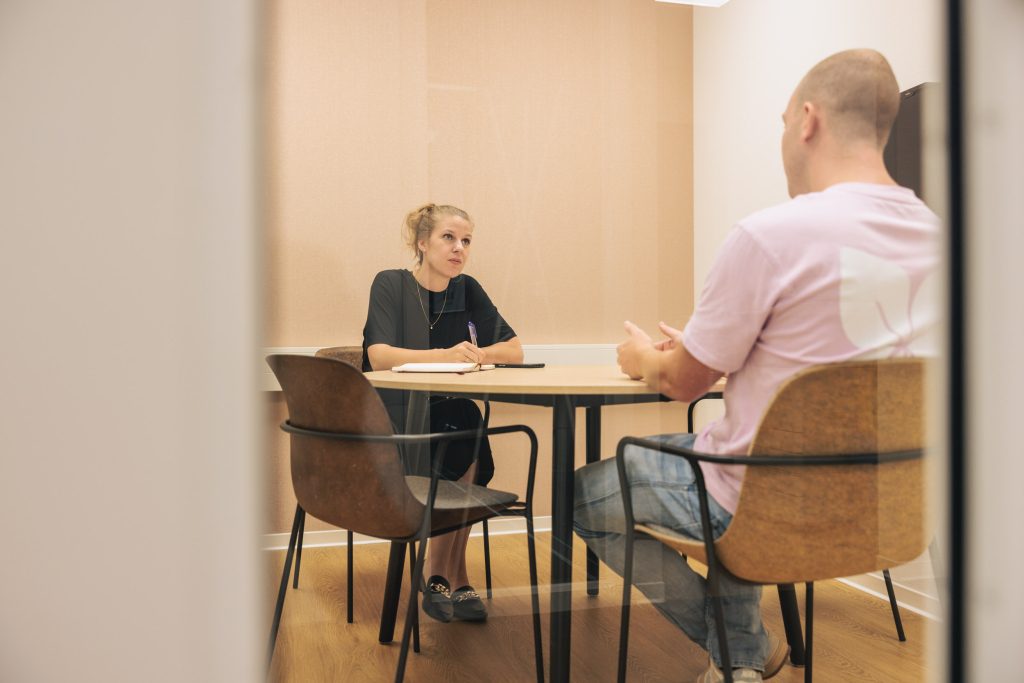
{"x": 690, "y": 547}
{"x": 457, "y": 502}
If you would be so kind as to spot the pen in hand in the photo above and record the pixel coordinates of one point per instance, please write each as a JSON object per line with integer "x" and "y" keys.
{"x": 472, "y": 334}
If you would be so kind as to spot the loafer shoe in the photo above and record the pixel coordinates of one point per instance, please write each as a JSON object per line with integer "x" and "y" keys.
{"x": 437, "y": 599}
{"x": 467, "y": 604}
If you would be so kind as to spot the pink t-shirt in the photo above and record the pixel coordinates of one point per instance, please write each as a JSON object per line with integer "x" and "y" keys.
{"x": 847, "y": 273}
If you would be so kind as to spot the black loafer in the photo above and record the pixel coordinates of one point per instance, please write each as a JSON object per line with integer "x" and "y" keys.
{"x": 437, "y": 599}
{"x": 467, "y": 605}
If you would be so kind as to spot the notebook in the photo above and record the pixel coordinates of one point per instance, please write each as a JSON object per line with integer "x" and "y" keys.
{"x": 441, "y": 367}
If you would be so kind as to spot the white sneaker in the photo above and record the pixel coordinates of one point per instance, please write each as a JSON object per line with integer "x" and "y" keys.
{"x": 713, "y": 675}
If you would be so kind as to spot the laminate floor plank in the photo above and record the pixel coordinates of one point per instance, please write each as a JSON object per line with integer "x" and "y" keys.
{"x": 855, "y": 640}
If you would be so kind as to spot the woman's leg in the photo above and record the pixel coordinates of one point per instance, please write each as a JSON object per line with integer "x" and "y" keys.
{"x": 447, "y": 554}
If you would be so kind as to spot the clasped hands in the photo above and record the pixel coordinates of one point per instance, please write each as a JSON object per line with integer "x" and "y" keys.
{"x": 638, "y": 343}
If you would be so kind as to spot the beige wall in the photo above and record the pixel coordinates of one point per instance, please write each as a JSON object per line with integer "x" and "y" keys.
{"x": 564, "y": 129}
{"x": 748, "y": 57}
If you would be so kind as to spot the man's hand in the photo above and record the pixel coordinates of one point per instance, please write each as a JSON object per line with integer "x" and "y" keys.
{"x": 631, "y": 351}
{"x": 675, "y": 338}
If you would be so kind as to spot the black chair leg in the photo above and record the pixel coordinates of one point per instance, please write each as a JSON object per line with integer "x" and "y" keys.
{"x": 414, "y": 581}
{"x": 895, "y": 608}
{"x": 283, "y": 590}
{"x": 723, "y": 641}
{"x": 487, "y": 559}
{"x": 791, "y": 622}
{"x": 298, "y": 549}
{"x": 627, "y": 584}
{"x": 809, "y": 637}
{"x": 538, "y": 647}
{"x": 349, "y": 569}
{"x": 410, "y": 618}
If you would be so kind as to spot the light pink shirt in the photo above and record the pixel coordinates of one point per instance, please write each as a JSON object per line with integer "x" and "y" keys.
{"x": 847, "y": 273}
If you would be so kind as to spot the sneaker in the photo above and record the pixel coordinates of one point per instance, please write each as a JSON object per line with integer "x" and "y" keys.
{"x": 467, "y": 604}
{"x": 713, "y": 675}
{"x": 778, "y": 655}
{"x": 437, "y": 599}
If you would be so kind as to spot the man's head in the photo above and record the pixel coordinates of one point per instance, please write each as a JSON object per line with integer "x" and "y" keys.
{"x": 841, "y": 111}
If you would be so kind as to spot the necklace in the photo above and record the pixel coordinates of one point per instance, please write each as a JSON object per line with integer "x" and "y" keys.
{"x": 425, "y": 316}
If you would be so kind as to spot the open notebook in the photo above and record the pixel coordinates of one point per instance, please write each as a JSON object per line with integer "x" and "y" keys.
{"x": 441, "y": 367}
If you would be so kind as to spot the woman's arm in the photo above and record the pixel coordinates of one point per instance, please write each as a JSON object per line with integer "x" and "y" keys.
{"x": 385, "y": 357}
{"x": 508, "y": 351}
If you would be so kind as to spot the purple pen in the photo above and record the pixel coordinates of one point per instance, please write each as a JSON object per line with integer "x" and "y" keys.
{"x": 472, "y": 333}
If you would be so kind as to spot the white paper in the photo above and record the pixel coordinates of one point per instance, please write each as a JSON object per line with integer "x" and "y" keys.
{"x": 441, "y": 367}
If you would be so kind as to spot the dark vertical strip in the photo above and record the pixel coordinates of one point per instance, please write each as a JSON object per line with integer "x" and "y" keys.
{"x": 957, "y": 260}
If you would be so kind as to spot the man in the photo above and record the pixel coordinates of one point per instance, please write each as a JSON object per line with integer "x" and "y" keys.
{"x": 841, "y": 271}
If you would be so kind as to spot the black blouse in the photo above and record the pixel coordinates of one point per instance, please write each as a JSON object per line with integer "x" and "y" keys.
{"x": 398, "y": 316}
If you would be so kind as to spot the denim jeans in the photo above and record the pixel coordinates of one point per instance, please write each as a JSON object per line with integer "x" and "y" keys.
{"x": 664, "y": 492}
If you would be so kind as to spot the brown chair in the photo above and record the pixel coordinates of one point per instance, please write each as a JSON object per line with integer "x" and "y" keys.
{"x": 346, "y": 470}
{"x": 886, "y": 576}
{"x": 834, "y": 487}
{"x": 353, "y": 355}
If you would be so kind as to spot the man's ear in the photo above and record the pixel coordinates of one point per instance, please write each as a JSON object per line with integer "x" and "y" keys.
{"x": 812, "y": 121}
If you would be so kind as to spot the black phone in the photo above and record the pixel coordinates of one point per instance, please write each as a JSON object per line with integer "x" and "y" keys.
{"x": 518, "y": 365}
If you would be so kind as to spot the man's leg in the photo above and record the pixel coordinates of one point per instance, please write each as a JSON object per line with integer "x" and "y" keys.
{"x": 664, "y": 492}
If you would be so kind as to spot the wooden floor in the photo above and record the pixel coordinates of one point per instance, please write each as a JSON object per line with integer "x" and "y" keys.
{"x": 854, "y": 635}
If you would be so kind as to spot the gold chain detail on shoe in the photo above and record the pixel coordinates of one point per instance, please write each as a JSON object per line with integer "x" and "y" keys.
{"x": 440, "y": 588}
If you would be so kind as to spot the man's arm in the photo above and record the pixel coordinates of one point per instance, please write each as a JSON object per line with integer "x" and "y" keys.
{"x": 667, "y": 367}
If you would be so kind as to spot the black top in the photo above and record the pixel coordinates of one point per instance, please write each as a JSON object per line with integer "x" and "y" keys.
{"x": 398, "y": 312}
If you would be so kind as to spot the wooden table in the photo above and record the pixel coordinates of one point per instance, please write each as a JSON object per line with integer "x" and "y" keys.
{"x": 563, "y": 389}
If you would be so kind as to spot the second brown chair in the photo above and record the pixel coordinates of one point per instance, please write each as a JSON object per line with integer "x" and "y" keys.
{"x": 834, "y": 487}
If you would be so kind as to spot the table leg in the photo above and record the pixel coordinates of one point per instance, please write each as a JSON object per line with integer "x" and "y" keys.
{"x": 415, "y": 423}
{"x": 593, "y": 455}
{"x": 562, "y": 473}
{"x": 791, "y": 622}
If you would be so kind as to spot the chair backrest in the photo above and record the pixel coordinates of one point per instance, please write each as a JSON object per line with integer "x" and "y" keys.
{"x": 351, "y": 484}
{"x": 796, "y": 524}
{"x": 352, "y": 355}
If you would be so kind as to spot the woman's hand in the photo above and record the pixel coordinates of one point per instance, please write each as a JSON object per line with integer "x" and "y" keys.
{"x": 464, "y": 352}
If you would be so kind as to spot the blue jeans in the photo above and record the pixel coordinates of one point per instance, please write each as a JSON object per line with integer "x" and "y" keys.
{"x": 664, "y": 492}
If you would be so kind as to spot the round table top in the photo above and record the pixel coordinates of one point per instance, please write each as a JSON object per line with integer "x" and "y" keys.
{"x": 549, "y": 380}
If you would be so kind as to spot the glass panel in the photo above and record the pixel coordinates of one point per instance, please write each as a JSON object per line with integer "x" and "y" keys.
{"x": 603, "y": 154}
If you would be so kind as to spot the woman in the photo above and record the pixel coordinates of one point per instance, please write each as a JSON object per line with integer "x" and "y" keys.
{"x": 424, "y": 315}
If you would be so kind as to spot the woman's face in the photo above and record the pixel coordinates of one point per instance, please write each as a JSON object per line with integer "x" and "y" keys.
{"x": 446, "y": 251}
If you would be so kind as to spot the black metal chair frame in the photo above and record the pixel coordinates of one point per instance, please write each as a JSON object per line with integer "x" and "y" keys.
{"x": 425, "y": 531}
{"x": 714, "y": 567}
